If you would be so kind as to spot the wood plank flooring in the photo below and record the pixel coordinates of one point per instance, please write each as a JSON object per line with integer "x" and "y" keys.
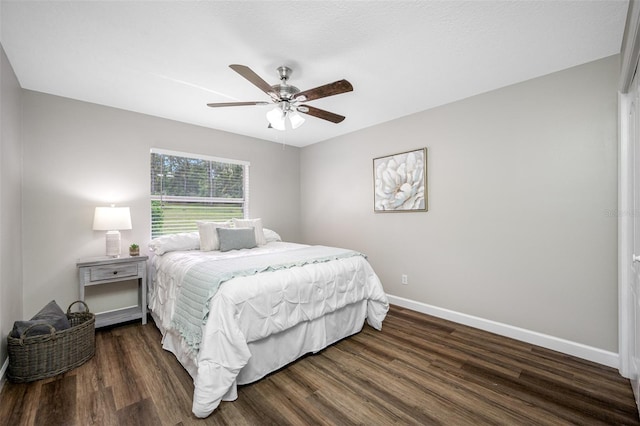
{"x": 418, "y": 370}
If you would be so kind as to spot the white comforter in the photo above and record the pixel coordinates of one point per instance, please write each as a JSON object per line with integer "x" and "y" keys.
{"x": 248, "y": 309}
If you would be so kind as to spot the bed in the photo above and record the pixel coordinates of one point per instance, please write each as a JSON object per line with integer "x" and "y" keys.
{"x": 232, "y": 317}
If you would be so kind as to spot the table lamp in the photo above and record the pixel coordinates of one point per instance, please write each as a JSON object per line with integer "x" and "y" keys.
{"x": 112, "y": 219}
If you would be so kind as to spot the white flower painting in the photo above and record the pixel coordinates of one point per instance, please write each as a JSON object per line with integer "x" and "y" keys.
{"x": 400, "y": 182}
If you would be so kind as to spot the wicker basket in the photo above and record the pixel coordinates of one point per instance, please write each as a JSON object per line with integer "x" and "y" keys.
{"x": 42, "y": 356}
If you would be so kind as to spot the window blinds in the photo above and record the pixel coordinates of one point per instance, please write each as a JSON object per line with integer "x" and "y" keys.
{"x": 186, "y": 188}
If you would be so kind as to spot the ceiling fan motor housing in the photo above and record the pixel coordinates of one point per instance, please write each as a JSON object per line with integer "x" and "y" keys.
{"x": 285, "y": 92}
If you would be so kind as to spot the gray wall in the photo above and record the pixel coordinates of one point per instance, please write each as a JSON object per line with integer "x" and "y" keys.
{"x": 10, "y": 202}
{"x": 80, "y": 155}
{"x": 521, "y": 227}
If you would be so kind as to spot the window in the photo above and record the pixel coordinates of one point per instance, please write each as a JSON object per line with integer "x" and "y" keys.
{"x": 186, "y": 188}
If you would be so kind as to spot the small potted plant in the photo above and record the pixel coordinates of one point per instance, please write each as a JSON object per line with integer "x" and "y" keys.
{"x": 134, "y": 250}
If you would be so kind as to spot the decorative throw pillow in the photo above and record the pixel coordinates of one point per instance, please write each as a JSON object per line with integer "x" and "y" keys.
{"x": 252, "y": 223}
{"x": 209, "y": 236}
{"x": 51, "y": 314}
{"x": 271, "y": 236}
{"x": 175, "y": 242}
{"x": 236, "y": 238}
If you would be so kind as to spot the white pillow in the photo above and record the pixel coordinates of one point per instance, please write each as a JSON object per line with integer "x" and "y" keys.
{"x": 208, "y": 235}
{"x": 256, "y": 224}
{"x": 271, "y": 236}
{"x": 175, "y": 242}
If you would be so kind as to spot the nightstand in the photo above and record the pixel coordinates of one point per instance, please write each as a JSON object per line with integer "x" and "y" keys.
{"x": 105, "y": 270}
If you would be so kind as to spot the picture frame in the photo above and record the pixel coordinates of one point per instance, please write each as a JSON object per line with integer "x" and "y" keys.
{"x": 400, "y": 182}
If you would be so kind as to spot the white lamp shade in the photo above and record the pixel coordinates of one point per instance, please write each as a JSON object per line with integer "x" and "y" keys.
{"x": 111, "y": 218}
{"x": 296, "y": 119}
{"x": 276, "y": 118}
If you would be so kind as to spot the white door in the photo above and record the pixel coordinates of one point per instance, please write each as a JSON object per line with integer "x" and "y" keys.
{"x": 634, "y": 342}
{"x": 629, "y": 203}
{"x": 630, "y": 224}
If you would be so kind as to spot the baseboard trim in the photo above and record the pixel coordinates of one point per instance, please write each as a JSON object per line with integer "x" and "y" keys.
{"x": 3, "y": 373}
{"x": 610, "y": 359}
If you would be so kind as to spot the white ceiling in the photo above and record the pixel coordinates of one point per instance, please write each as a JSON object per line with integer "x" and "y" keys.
{"x": 169, "y": 59}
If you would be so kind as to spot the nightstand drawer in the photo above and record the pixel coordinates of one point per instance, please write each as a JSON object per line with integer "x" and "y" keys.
{"x": 109, "y": 272}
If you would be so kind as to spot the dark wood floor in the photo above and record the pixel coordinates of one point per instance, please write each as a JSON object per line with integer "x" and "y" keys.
{"x": 418, "y": 370}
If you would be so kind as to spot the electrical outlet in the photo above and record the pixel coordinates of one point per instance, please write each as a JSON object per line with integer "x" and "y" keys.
{"x": 405, "y": 279}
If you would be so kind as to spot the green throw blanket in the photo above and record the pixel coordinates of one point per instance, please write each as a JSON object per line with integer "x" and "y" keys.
{"x": 202, "y": 281}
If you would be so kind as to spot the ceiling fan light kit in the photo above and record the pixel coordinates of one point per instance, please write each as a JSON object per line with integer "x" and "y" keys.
{"x": 277, "y": 117}
{"x": 288, "y": 98}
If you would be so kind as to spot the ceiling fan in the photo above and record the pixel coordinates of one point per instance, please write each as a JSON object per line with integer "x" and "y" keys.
{"x": 288, "y": 99}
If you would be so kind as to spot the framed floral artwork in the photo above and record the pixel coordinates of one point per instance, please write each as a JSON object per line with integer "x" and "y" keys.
{"x": 400, "y": 182}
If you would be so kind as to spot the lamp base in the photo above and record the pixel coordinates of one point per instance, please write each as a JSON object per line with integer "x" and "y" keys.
{"x": 113, "y": 243}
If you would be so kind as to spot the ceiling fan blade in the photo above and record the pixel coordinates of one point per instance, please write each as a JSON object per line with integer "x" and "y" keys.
{"x": 255, "y": 79}
{"x": 320, "y": 113}
{"x": 330, "y": 89}
{"x": 228, "y": 104}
